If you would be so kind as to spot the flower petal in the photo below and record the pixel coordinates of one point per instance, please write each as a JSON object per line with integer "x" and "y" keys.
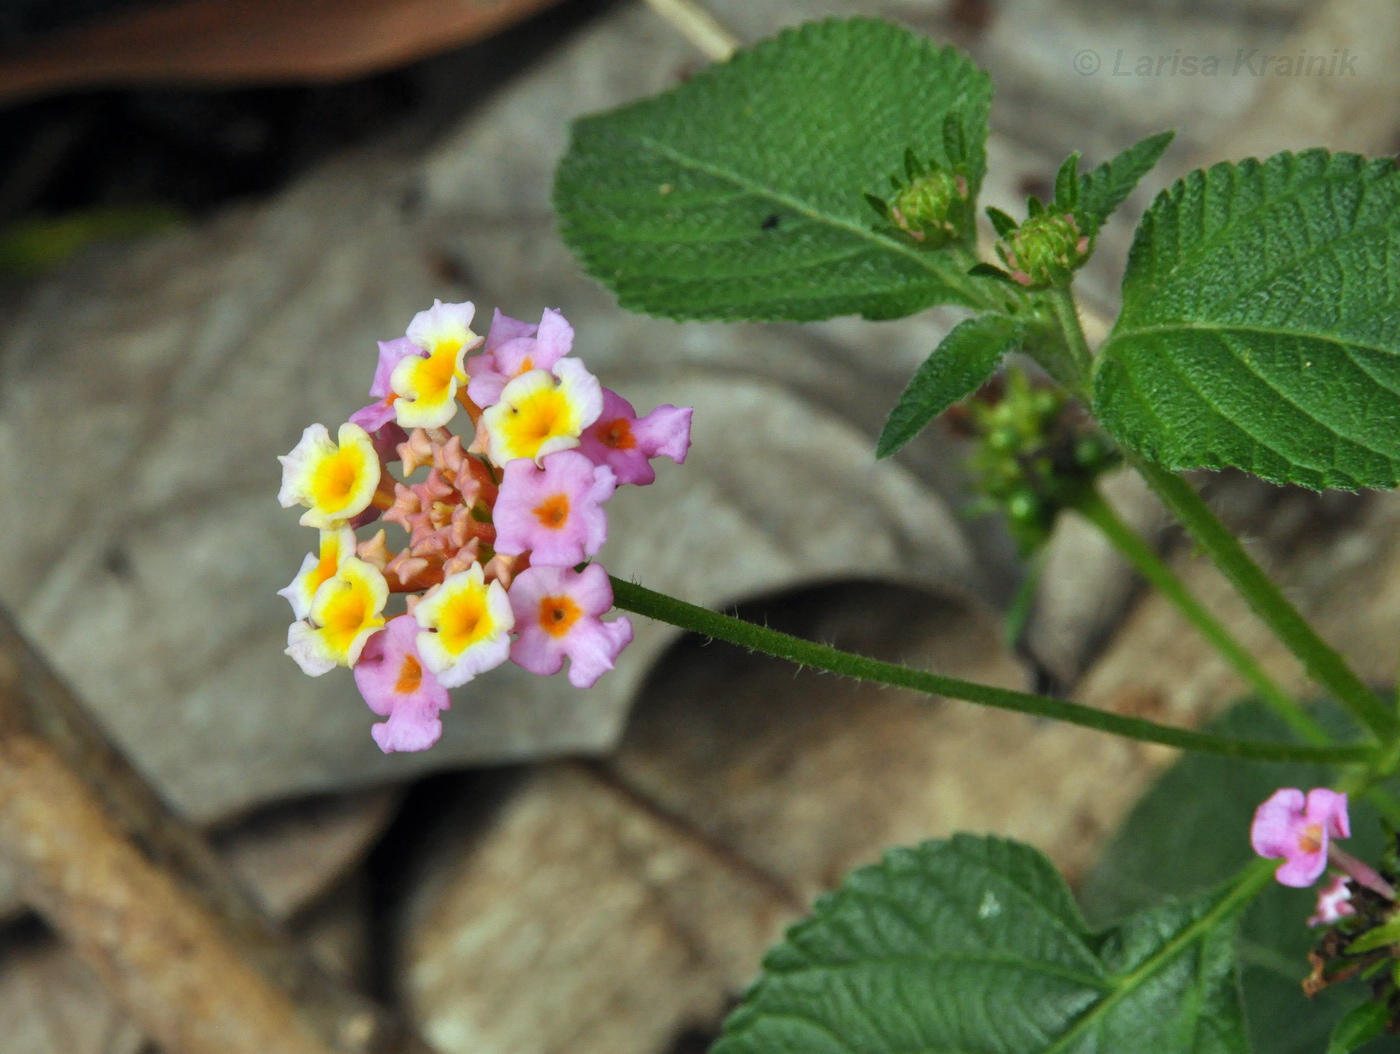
{"x": 1273, "y": 834}
{"x": 1329, "y": 807}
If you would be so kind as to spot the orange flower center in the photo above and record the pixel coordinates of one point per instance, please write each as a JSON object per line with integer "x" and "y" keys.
{"x": 618, "y": 435}
{"x": 1310, "y": 841}
{"x": 410, "y": 676}
{"x": 553, "y": 512}
{"x": 558, "y": 615}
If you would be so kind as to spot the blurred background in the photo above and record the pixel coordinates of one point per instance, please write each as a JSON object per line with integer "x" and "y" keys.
{"x": 210, "y": 210}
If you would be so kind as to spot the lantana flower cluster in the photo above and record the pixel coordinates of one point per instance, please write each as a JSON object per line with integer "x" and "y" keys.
{"x": 497, "y": 539}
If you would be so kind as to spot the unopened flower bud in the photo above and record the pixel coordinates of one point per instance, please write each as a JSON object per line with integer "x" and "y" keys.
{"x": 1045, "y": 250}
{"x": 931, "y": 208}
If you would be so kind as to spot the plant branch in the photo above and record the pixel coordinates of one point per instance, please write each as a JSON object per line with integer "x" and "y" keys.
{"x": 642, "y": 601}
{"x": 1324, "y": 663}
{"x": 1081, "y": 360}
{"x": 1092, "y": 506}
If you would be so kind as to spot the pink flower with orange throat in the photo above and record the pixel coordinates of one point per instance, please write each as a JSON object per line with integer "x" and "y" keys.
{"x": 555, "y": 513}
{"x": 395, "y": 684}
{"x": 1294, "y": 828}
{"x": 557, "y": 614}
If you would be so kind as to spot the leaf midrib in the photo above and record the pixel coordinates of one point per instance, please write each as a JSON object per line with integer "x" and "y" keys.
{"x": 1129, "y": 983}
{"x": 802, "y": 208}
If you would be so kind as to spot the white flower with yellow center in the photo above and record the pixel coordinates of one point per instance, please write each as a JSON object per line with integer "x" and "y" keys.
{"x": 346, "y": 612}
{"x": 541, "y": 412}
{"x": 426, "y": 387}
{"x": 336, "y": 547}
{"x": 465, "y": 625}
{"x": 335, "y": 482}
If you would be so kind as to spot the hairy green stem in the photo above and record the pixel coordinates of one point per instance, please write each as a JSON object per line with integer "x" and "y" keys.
{"x": 1359, "y": 781}
{"x": 1324, "y": 663}
{"x": 1081, "y": 359}
{"x": 1092, "y": 506}
{"x": 642, "y": 601}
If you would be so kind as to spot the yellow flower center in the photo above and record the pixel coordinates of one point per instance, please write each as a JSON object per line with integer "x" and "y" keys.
{"x": 541, "y": 417}
{"x": 558, "y": 615}
{"x": 464, "y": 621}
{"x": 345, "y": 614}
{"x": 434, "y": 375}
{"x": 336, "y": 478}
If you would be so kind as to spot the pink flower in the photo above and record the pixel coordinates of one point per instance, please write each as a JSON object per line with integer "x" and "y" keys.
{"x": 1333, "y": 902}
{"x": 554, "y": 512}
{"x": 395, "y": 683}
{"x": 626, "y": 444}
{"x": 556, "y": 614}
{"x": 377, "y": 414}
{"x": 1294, "y": 829}
{"x": 513, "y": 348}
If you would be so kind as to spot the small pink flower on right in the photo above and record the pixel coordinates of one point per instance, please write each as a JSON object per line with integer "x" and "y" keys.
{"x": 1295, "y": 828}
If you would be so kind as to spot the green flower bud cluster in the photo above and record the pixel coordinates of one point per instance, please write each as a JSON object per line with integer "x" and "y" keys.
{"x": 1046, "y": 250}
{"x": 1036, "y": 453}
{"x": 930, "y": 205}
{"x": 931, "y": 208}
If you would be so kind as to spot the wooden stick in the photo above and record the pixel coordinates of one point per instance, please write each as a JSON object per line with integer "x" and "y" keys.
{"x": 67, "y": 794}
{"x": 699, "y": 27}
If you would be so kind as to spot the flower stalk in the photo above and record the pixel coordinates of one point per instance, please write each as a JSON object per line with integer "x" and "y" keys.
{"x": 642, "y": 601}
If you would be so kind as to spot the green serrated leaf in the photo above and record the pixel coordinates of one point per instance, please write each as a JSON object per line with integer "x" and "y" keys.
{"x": 1191, "y": 832}
{"x": 1067, "y": 184}
{"x": 739, "y": 194}
{"x": 1003, "y": 223}
{"x": 974, "y": 944}
{"x": 1258, "y": 325}
{"x": 1108, "y": 186}
{"x": 960, "y": 365}
{"x": 1358, "y": 1026}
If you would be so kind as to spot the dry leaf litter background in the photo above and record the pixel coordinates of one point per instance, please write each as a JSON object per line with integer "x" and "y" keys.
{"x": 617, "y": 903}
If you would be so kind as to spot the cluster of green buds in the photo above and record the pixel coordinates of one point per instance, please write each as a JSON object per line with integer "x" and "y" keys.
{"x": 1054, "y": 241}
{"x": 932, "y": 201}
{"x": 1036, "y": 454}
{"x": 932, "y": 207}
{"x": 1046, "y": 250}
